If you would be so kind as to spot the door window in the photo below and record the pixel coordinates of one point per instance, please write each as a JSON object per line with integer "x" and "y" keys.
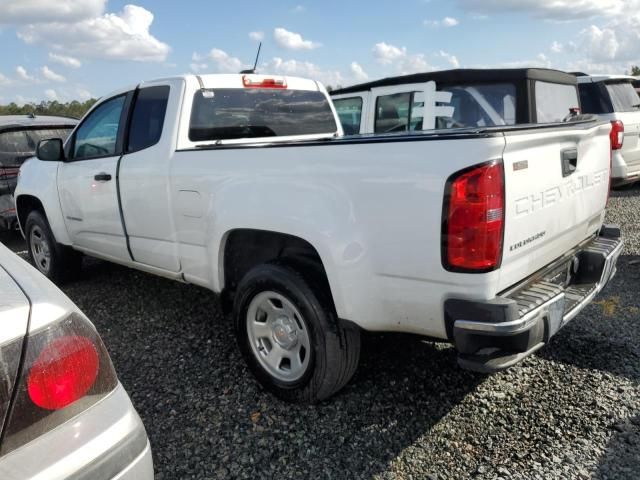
{"x": 98, "y": 134}
{"x": 148, "y": 118}
{"x": 350, "y": 112}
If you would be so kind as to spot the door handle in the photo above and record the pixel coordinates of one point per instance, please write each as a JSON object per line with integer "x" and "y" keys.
{"x": 569, "y": 159}
{"x": 102, "y": 177}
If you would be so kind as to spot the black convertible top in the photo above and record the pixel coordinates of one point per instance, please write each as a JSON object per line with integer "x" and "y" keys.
{"x": 467, "y": 75}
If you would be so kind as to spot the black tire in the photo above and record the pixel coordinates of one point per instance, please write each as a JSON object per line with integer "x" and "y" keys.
{"x": 335, "y": 345}
{"x": 63, "y": 263}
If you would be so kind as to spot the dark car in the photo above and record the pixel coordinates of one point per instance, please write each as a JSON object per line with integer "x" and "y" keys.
{"x": 19, "y": 136}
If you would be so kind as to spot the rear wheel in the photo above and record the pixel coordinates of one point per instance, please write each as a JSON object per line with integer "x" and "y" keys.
{"x": 290, "y": 336}
{"x": 58, "y": 262}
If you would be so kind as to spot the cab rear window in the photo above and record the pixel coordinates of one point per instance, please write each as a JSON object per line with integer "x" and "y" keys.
{"x": 232, "y": 113}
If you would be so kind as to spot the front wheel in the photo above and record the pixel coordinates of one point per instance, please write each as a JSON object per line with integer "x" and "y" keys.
{"x": 57, "y": 262}
{"x": 290, "y": 336}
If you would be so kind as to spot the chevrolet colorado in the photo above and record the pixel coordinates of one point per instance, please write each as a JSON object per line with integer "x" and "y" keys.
{"x": 490, "y": 238}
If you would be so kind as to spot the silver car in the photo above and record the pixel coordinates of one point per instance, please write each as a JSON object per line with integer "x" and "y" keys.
{"x": 63, "y": 412}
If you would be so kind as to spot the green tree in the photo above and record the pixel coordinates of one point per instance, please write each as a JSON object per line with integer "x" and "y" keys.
{"x": 73, "y": 109}
{"x": 635, "y": 71}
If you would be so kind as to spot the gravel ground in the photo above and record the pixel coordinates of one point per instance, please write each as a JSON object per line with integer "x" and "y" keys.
{"x": 570, "y": 411}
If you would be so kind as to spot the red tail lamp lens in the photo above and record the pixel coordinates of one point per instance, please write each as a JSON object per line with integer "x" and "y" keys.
{"x": 617, "y": 134}
{"x": 64, "y": 372}
{"x": 475, "y": 219}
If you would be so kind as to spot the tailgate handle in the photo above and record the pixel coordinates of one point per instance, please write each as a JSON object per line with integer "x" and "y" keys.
{"x": 569, "y": 160}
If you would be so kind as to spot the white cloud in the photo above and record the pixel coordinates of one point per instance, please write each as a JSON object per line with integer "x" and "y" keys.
{"x": 123, "y": 36}
{"x": 83, "y": 94}
{"x": 21, "y": 12}
{"x": 561, "y": 10}
{"x": 299, "y": 9}
{"x": 24, "y": 75}
{"x": 198, "y": 67}
{"x": 305, "y": 69}
{"x": 51, "y": 75}
{"x": 399, "y": 59}
{"x": 293, "y": 41}
{"x": 358, "y": 72}
{"x": 4, "y": 81}
{"x": 224, "y": 62}
{"x": 451, "y": 59}
{"x": 51, "y": 94}
{"x": 385, "y": 53}
{"x": 556, "y": 47}
{"x": 256, "y": 36}
{"x": 445, "y": 22}
{"x": 65, "y": 60}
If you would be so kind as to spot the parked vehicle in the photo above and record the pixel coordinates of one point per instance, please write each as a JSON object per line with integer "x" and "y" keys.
{"x": 63, "y": 413}
{"x": 19, "y": 136}
{"x": 481, "y": 98}
{"x": 491, "y": 238}
{"x": 613, "y": 98}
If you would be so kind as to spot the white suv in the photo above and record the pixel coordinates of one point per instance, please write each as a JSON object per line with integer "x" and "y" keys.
{"x": 613, "y": 97}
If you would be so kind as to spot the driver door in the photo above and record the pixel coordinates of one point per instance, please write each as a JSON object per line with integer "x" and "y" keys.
{"x": 87, "y": 180}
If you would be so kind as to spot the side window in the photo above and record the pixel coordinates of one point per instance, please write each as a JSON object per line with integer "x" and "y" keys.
{"x": 350, "y": 113}
{"x": 148, "y": 118}
{"x": 98, "y": 134}
{"x": 392, "y": 112}
{"x": 554, "y": 101}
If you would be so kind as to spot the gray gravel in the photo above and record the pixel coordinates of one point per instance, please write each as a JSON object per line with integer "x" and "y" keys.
{"x": 571, "y": 411}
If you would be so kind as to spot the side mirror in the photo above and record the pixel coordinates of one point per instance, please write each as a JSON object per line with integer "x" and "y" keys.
{"x": 50, "y": 150}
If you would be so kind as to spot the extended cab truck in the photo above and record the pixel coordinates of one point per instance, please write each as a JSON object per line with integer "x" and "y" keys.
{"x": 490, "y": 238}
{"x": 479, "y": 97}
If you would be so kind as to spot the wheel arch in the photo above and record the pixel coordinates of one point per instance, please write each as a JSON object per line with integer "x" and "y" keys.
{"x": 242, "y": 249}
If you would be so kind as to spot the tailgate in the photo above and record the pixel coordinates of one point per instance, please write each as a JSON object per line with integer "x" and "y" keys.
{"x": 556, "y": 188}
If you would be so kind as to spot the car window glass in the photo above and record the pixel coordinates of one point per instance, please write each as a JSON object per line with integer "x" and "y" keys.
{"x": 392, "y": 112}
{"x": 15, "y": 146}
{"x": 234, "y": 113}
{"x": 148, "y": 117}
{"x": 593, "y": 100}
{"x": 623, "y": 97}
{"x": 554, "y": 101}
{"x": 97, "y": 135}
{"x": 350, "y": 113}
{"x": 481, "y": 105}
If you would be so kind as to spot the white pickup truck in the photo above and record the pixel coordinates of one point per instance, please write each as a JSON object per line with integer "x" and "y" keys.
{"x": 489, "y": 238}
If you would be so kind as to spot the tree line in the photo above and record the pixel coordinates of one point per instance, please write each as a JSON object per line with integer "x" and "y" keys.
{"x": 73, "y": 109}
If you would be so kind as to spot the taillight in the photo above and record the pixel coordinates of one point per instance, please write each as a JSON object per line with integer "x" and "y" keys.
{"x": 250, "y": 81}
{"x": 617, "y": 134}
{"x": 473, "y": 219}
{"x": 65, "y": 370}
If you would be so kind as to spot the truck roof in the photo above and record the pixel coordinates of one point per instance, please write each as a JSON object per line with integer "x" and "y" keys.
{"x": 467, "y": 75}
{"x": 30, "y": 121}
{"x": 604, "y": 78}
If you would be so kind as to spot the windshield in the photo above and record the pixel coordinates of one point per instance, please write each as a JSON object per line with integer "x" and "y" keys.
{"x": 623, "y": 96}
{"x": 233, "y": 113}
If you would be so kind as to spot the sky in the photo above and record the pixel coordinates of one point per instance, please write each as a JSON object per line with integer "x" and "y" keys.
{"x": 77, "y": 49}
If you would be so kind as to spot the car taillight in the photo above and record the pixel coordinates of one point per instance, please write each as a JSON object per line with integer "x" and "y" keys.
{"x": 250, "y": 81}
{"x": 617, "y": 134}
{"x": 473, "y": 219}
{"x": 65, "y": 370}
